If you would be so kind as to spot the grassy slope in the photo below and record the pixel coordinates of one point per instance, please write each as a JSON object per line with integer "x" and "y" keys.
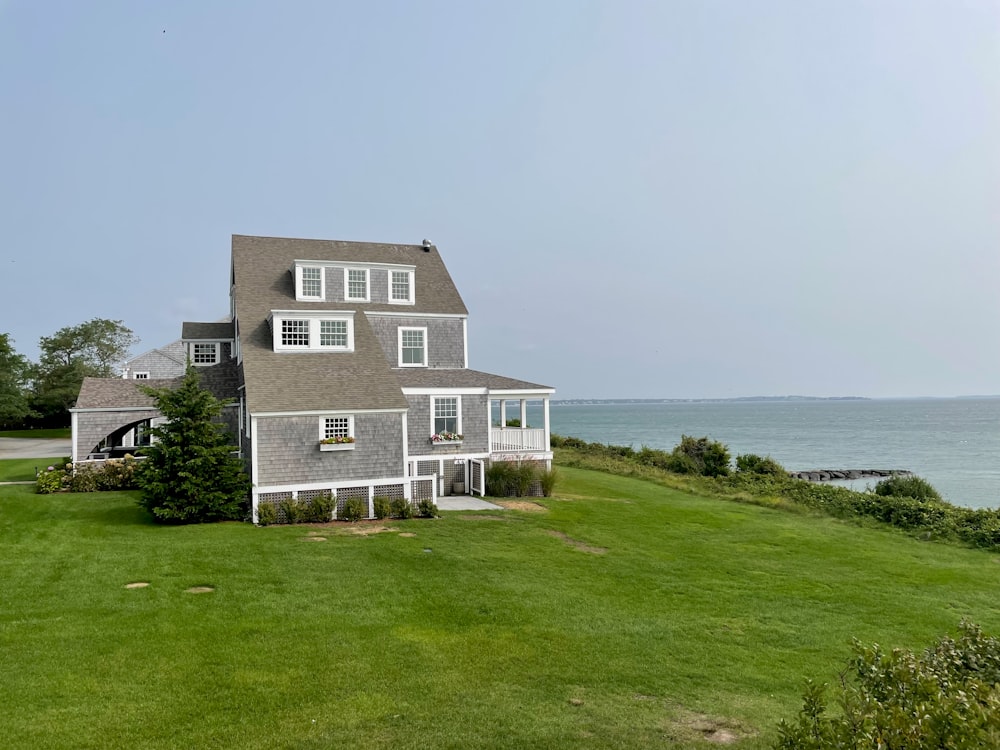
{"x": 502, "y": 635}
{"x": 22, "y": 469}
{"x": 56, "y": 432}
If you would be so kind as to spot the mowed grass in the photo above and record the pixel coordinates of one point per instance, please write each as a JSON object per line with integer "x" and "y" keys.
{"x": 41, "y": 434}
{"x": 22, "y": 469}
{"x": 621, "y": 615}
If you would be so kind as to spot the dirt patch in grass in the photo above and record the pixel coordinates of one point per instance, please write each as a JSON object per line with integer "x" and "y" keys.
{"x": 408, "y": 534}
{"x": 525, "y": 505}
{"x": 200, "y": 590}
{"x": 689, "y": 725}
{"x": 312, "y": 538}
{"x": 368, "y": 530}
{"x": 137, "y": 585}
{"x": 576, "y": 543}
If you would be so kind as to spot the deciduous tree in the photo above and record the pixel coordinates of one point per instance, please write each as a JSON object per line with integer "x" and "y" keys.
{"x": 15, "y": 370}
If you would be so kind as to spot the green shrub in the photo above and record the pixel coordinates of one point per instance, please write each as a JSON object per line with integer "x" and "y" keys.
{"x": 399, "y": 507}
{"x": 547, "y": 478}
{"x": 709, "y": 458}
{"x": 320, "y": 508}
{"x": 915, "y": 487}
{"x": 510, "y": 479}
{"x": 51, "y": 479}
{"x": 751, "y": 463}
{"x": 292, "y": 510}
{"x": 946, "y": 697}
{"x": 382, "y": 507}
{"x": 267, "y": 514}
{"x": 85, "y": 478}
{"x": 354, "y": 509}
{"x": 427, "y": 509}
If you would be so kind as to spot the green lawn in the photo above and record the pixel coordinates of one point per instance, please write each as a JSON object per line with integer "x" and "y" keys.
{"x": 625, "y": 615}
{"x": 21, "y": 469}
{"x": 58, "y": 432}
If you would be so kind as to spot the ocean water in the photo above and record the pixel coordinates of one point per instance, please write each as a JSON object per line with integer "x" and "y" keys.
{"x": 952, "y": 443}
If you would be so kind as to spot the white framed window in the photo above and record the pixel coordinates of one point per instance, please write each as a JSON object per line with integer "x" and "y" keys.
{"x": 412, "y": 347}
{"x": 310, "y": 283}
{"x": 333, "y": 333}
{"x": 401, "y": 287}
{"x": 356, "y": 286}
{"x": 446, "y": 414}
{"x": 294, "y": 333}
{"x": 315, "y": 331}
{"x": 336, "y": 427}
{"x": 204, "y": 354}
{"x": 140, "y": 375}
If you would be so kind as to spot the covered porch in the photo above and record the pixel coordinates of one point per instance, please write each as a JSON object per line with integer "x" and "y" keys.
{"x": 519, "y": 424}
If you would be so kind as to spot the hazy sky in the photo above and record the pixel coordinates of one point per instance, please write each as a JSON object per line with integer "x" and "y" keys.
{"x": 636, "y": 199}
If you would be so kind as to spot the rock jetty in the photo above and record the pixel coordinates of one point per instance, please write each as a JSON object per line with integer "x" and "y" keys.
{"x": 825, "y": 475}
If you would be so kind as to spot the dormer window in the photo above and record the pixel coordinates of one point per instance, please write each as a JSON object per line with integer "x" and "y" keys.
{"x": 356, "y": 287}
{"x": 203, "y": 354}
{"x": 309, "y": 283}
{"x": 401, "y": 287}
{"x": 313, "y": 331}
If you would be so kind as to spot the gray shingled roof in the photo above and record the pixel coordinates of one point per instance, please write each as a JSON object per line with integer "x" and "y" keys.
{"x": 420, "y": 377}
{"x": 118, "y": 393}
{"x": 210, "y": 331}
{"x": 293, "y": 381}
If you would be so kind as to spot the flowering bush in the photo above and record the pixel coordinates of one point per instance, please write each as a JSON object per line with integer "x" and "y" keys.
{"x": 337, "y": 440}
{"x": 446, "y": 437}
{"x": 53, "y": 479}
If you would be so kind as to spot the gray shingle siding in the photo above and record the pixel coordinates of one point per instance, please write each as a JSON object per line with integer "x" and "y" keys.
{"x": 288, "y": 450}
{"x": 158, "y": 365}
{"x": 445, "y": 338}
{"x": 93, "y": 427}
{"x": 475, "y": 426}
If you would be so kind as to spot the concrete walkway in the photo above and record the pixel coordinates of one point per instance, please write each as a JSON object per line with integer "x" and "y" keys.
{"x": 464, "y": 502}
{"x": 31, "y": 448}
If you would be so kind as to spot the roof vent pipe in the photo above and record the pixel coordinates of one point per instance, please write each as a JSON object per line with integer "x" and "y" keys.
{"x": 427, "y": 246}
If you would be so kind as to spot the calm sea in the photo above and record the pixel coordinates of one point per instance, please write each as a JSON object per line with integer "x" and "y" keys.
{"x": 952, "y": 443}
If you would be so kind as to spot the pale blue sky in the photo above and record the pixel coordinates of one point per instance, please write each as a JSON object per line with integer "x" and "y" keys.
{"x": 636, "y": 199}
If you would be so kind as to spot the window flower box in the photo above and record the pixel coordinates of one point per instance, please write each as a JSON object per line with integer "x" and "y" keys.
{"x": 337, "y": 444}
{"x": 446, "y": 438}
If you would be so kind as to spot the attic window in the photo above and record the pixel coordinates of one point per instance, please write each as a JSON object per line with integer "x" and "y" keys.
{"x": 310, "y": 282}
{"x": 356, "y": 284}
{"x": 140, "y": 375}
{"x": 204, "y": 354}
{"x": 298, "y": 331}
{"x": 295, "y": 333}
{"x": 401, "y": 287}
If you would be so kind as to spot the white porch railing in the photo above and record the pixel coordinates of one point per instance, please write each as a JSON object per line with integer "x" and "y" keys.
{"x": 517, "y": 440}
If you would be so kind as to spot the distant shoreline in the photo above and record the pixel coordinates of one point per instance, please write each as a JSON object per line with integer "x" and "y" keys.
{"x": 750, "y": 399}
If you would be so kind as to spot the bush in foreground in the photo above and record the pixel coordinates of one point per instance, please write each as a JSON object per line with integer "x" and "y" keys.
{"x": 190, "y": 474}
{"x": 947, "y": 697}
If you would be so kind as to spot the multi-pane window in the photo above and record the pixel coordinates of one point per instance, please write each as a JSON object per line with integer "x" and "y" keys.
{"x": 411, "y": 347}
{"x": 333, "y": 333}
{"x": 445, "y": 414}
{"x": 399, "y": 286}
{"x": 295, "y": 333}
{"x": 336, "y": 427}
{"x": 312, "y": 282}
{"x": 141, "y": 375}
{"x": 357, "y": 284}
{"x": 205, "y": 354}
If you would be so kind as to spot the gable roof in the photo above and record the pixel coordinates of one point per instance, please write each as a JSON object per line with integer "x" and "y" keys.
{"x": 119, "y": 393}
{"x": 208, "y": 331}
{"x": 174, "y": 351}
{"x": 310, "y": 381}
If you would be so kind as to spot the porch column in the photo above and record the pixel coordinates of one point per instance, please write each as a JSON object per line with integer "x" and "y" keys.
{"x": 524, "y": 413}
{"x": 503, "y": 413}
{"x": 548, "y": 432}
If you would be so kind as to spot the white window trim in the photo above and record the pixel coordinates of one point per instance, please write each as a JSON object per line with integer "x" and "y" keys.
{"x": 347, "y": 284}
{"x": 314, "y": 319}
{"x": 140, "y": 375}
{"x": 399, "y": 344}
{"x": 410, "y": 285}
{"x": 350, "y": 424}
{"x": 213, "y": 344}
{"x": 458, "y": 411}
{"x": 299, "y": 295}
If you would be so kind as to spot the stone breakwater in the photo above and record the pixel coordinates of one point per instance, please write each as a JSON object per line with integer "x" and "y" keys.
{"x": 825, "y": 475}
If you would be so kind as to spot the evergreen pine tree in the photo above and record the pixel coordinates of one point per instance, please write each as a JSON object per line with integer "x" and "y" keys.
{"x": 190, "y": 474}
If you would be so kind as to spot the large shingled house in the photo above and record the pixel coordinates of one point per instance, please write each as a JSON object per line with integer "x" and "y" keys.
{"x": 347, "y": 366}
